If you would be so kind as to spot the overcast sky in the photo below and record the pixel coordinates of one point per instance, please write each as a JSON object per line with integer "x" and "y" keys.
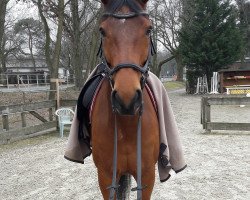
{"x": 24, "y": 10}
{"x": 21, "y": 10}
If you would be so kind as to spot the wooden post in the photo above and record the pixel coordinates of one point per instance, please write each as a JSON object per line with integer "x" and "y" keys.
{"x": 7, "y": 81}
{"x": 45, "y": 78}
{"x": 57, "y": 94}
{"x": 221, "y": 82}
{"x": 23, "y": 116}
{"x": 202, "y": 110}
{"x": 207, "y": 114}
{"x": 57, "y": 81}
{"x": 23, "y": 97}
{"x": 67, "y": 79}
{"x": 28, "y": 79}
{"x": 5, "y": 122}
{"x": 37, "y": 83}
{"x": 18, "y": 81}
{"x": 50, "y": 114}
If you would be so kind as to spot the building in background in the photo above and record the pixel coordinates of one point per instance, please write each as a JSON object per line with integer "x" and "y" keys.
{"x": 23, "y": 69}
{"x": 236, "y": 78}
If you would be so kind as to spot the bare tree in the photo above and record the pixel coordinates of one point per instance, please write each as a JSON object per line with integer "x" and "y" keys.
{"x": 168, "y": 17}
{"x": 3, "y": 9}
{"x": 54, "y": 9}
{"x": 79, "y": 18}
{"x": 32, "y": 30}
{"x": 11, "y": 45}
{"x": 52, "y": 62}
{"x": 94, "y": 43}
{"x": 244, "y": 15}
{"x": 168, "y": 20}
{"x": 82, "y": 17}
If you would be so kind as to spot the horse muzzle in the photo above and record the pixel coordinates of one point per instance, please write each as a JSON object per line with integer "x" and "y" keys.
{"x": 121, "y": 108}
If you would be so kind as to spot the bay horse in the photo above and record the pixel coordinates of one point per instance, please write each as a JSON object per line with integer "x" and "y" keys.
{"x": 125, "y": 128}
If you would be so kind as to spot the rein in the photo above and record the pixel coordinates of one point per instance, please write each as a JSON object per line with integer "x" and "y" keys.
{"x": 109, "y": 72}
{"x": 114, "y": 186}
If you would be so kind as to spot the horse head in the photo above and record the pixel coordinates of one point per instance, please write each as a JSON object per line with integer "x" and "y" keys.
{"x": 126, "y": 49}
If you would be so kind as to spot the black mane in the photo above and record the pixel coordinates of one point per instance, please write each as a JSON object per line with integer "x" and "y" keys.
{"x": 115, "y": 5}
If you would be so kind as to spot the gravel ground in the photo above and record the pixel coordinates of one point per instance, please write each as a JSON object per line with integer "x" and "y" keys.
{"x": 218, "y": 163}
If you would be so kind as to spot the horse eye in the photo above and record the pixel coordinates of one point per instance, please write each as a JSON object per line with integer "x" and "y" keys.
{"x": 149, "y": 30}
{"x": 102, "y": 32}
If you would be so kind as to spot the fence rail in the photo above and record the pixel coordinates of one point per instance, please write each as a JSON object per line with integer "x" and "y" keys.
{"x": 207, "y": 102}
{"x": 8, "y": 134}
{"x": 27, "y": 80}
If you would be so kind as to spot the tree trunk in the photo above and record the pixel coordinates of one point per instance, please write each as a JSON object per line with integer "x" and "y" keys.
{"x": 77, "y": 55}
{"x": 162, "y": 63}
{"x": 47, "y": 35}
{"x": 47, "y": 48}
{"x": 154, "y": 67}
{"x": 3, "y": 6}
{"x": 4, "y": 69}
{"x": 154, "y": 37}
{"x": 179, "y": 68}
{"x": 56, "y": 56}
{"x": 53, "y": 64}
{"x": 92, "y": 61}
{"x": 31, "y": 49}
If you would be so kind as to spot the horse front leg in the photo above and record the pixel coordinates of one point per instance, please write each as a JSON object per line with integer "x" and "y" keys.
{"x": 148, "y": 180}
{"x": 105, "y": 180}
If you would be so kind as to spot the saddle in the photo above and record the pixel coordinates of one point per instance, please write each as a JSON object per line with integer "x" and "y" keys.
{"x": 84, "y": 103}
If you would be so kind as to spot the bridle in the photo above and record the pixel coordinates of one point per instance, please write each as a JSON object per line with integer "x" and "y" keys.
{"x": 108, "y": 73}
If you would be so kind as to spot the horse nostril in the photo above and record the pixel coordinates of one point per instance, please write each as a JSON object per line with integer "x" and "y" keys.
{"x": 115, "y": 99}
{"x": 130, "y": 109}
{"x": 137, "y": 100}
{"x": 138, "y": 96}
{"x": 115, "y": 96}
{"x": 139, "y": 93}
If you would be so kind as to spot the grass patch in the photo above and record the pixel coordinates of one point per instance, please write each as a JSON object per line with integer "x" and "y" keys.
{"x": 174, "y": 85}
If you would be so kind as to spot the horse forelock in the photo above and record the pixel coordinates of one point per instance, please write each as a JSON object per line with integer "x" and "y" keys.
{"x": 115, "y": 5}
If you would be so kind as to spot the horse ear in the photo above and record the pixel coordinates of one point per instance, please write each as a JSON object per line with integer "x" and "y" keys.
{"x": 144, "y": 1}
{"x": 105, "y": 1}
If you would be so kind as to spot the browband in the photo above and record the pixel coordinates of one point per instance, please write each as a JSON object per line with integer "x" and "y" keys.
{"x": 125, "y": 15}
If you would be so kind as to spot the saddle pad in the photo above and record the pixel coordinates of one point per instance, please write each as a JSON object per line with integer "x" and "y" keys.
{"x": 152, "y": 97}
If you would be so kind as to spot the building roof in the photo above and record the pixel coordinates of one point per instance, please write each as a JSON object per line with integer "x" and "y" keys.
{"x": 25, "y": 73}
{"x": 238, "y": 66}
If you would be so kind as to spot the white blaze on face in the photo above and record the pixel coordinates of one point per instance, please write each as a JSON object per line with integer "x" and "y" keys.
{"x": 122, "y": 21}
